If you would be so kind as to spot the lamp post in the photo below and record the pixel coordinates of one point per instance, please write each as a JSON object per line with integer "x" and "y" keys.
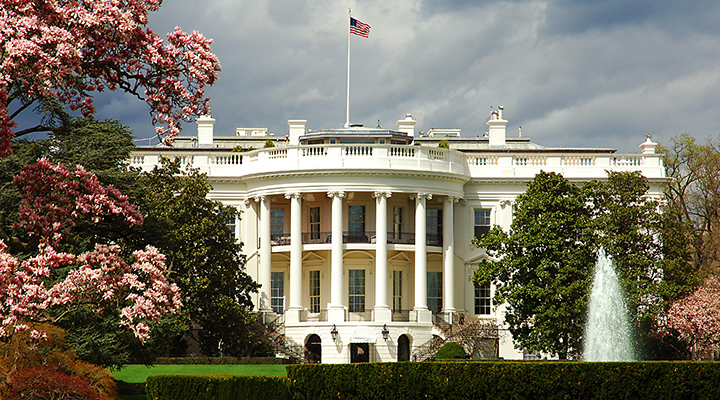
{"x": 385, "y": 332}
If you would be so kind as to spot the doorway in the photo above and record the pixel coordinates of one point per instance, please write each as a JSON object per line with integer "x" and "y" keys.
{"x": 403, "y": 346}
{"x": 313, "y": 349}
{"x": 359, "y": 352}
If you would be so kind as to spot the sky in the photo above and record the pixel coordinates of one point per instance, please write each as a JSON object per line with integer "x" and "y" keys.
{"x": 571, "y": 73}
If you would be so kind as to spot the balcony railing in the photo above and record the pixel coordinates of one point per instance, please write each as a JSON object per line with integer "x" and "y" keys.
{"x": 368, "y": 237}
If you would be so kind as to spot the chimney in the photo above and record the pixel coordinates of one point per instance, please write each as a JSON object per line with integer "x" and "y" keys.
{"x": 648, "y": 146}
{"x": 496, "y": 130}
{"x": 205, "y": 130}
{"x": 407, "y": 125}
{"x": 296, "y": 129}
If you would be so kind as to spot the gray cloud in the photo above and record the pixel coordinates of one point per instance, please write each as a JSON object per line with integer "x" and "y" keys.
{"x": 572, "y": 73}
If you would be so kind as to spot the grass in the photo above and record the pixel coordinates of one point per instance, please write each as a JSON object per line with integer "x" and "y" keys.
{"x": 139, "y": 373}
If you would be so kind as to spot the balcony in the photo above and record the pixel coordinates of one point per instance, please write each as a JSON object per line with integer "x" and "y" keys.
{"x": 368, "y": 237}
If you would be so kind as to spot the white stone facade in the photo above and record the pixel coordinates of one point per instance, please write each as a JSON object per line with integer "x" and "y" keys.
{"x": 329, "y": 221}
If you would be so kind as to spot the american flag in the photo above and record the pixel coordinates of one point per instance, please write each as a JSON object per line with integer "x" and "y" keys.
{"x": 359, "y": 28}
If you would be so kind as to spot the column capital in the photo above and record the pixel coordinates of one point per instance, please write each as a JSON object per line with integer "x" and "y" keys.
{"x": 259, "y": 199}
{"x": 427, "y": 196}
{"x": 293, "y": 195}
{"x": 452, "y": 199}
{"x": 505, "y": 203}
{"x": 336, "y": 193}
{"x": 380, "y": 193}
{"x": 247, "y": 202}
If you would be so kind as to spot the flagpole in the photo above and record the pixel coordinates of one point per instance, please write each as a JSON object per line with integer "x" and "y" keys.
{"x": 347, "y": 114}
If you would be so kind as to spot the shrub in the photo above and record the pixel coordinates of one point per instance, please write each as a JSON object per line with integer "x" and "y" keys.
{"x": 450, "y": 351}
{"x": 220, "y": 387}
{"x": 47, "y": 384}
{"x": 506, "y": 380}
{"x": 219, "y": 360}
{"x": 269, "y": 143}
{"x": 444, "y": 144}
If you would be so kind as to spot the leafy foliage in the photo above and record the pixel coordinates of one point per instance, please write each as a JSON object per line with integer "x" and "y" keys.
{"x": 205, "y": 259}
{"x": 542, "y": 267}
{"x": 26, "y": 362}
{"x": 450, "y": 351}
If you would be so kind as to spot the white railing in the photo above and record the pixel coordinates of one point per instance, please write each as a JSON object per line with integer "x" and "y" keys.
{"x": 582, "y": 161}
{"x": 218, "y": 162}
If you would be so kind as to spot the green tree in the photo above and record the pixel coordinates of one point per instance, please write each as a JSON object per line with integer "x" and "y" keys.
{"x": 543, "y": 265}
{"x": 203, "y": 255}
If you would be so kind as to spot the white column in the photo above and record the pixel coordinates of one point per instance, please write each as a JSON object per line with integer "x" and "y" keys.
{"x": 381, "y": 312}
{"x": 264, "y": 276}
{"x": 448, "y": 256}
{"x": 293, "y": 312}
{"x": 336, "y": 309}
{"x": 423, "y": 314}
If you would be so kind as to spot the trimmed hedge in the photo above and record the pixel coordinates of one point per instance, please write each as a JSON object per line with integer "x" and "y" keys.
{"x": 220, "y": 360}
{"x": 507, "y": 380}
{"x": 220, "y": 387}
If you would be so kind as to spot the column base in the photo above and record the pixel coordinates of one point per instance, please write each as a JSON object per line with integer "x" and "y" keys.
{"x": 382, "y": 314}
{"x": 423, "y": 315}
{"x": 267, "y": 316}
{"x": 336, "y": 314}
{"x": 292, "y": 315}
{"x": 448, "y": 314}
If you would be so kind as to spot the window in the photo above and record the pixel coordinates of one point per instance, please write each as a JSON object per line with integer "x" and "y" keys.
{"x": 356, "y": 224}
{"x": 314, "y": 223}
{"x": 277, "y": 223}
{"x": 434, "y": 227}
{"x": 483, "y": 302}
{"x": 356, "y": 289}
{"x": 314, "y": 291}
{"x": 434, "y": 291}
{"x": 277, "y": 292}
{"x": 397, "y": 291}
{"x": 397, "y": 218}
{"x": 482, "y": 222}
{"x": 230, "y": 220}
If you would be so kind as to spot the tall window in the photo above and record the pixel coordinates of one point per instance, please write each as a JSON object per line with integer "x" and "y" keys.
{"x": 397, "y": 218}
{"x": 230, "y": 220}
{"x": 434, "y": 227}
{"x": 356, "y": 224}
{"x": 314, "y": 291}
{"x": 434, "y": 291}
{"x": 397, "y": 291}
{"x": 356, "y": 289}
{"x": 277, "y": 292}
{"x": 314, "y": 223}
{"x": 483, "y": 303}
{"x": 277, "y": 223}
{"x": 482, "y": 222}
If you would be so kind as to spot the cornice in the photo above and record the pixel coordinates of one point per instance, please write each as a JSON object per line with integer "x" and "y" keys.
{"x": 436, "y": 175}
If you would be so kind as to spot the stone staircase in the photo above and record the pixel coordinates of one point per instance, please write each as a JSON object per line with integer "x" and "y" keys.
{"x": 479, "y": 337}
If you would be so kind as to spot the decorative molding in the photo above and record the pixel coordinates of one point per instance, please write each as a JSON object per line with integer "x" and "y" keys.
{"x": 336, "y": 193}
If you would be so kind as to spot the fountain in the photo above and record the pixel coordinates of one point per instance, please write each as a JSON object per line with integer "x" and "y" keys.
{"x": 607, "y": 333}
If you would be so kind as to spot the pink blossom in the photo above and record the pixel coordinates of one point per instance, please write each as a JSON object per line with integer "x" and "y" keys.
{"x": 64, "y": 50}
{"x": 99, "y": 279}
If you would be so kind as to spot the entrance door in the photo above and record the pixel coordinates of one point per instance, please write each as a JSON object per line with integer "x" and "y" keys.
{"x": 403, "y": 344}
{"x": 313, "y": 349}
{"x": 359, "y": 352}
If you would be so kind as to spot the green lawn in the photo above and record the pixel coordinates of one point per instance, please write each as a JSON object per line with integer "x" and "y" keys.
{"x": 139, "y": 373}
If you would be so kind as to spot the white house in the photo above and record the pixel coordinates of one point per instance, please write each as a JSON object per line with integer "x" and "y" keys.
{"x": 361, "y": 238}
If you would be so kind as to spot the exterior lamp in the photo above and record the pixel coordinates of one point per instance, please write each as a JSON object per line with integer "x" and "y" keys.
{"x": 385, "y": 332}
{"x": 334, "y": 332}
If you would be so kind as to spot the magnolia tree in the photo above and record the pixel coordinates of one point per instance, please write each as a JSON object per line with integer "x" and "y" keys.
{"x": 51, "y": 284}
{"x": 56, "y": 53}
{"x": 696, "y": 319}
{"x": 99, "y": 278}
